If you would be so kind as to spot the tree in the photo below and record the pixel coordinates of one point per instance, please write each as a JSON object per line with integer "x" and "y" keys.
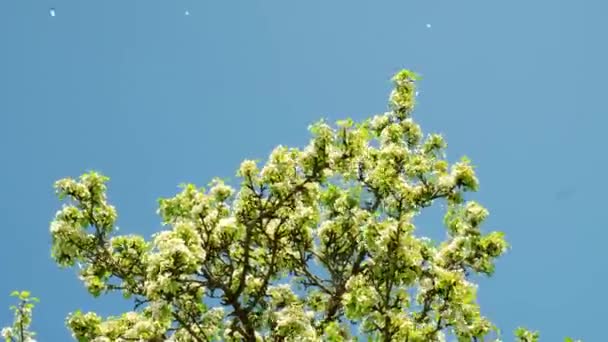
{"x": 23, "y": 318}
{"x": 318, "y": 244}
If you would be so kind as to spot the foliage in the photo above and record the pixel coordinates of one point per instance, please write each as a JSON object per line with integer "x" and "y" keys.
{"x": 317, "y": 244}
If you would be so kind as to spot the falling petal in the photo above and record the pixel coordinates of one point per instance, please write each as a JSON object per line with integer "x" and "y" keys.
{"x": 187, "y": 13}
{"x": 52, "y": 12}
{"x": 428, "y": 25}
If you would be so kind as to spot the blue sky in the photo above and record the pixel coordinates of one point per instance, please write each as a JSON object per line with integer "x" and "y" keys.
{"x": 153, "y": 97}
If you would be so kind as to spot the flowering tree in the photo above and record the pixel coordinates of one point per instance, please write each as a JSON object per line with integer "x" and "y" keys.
{"x": 23, "y": 318}
{"x": 317, "y": 245}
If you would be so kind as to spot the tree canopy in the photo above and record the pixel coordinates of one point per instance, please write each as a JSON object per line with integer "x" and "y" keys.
{"x": 317, "y": 244}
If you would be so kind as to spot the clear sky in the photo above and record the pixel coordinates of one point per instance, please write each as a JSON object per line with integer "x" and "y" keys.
{"x": 153, "y": 97}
